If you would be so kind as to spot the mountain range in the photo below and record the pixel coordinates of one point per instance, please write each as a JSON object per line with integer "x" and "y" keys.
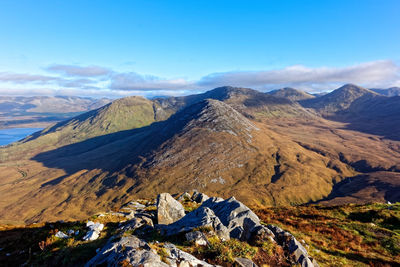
{"x": 277, "y": 148}
{"x": 41, "y": 111}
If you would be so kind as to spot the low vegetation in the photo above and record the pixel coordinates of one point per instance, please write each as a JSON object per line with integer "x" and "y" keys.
{"x": 348, "y": 235}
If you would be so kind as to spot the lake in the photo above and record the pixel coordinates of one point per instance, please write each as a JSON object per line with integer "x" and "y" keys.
{"x": 8, "y": 136}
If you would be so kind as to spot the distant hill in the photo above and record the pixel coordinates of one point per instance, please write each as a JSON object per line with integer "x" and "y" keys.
{"x": 393, "y": 91}
{"x": 363, "y": 109}
{"x": 339, "y": 99}
{"x": 291, "y": 94}
{"x": 43, "y": 110}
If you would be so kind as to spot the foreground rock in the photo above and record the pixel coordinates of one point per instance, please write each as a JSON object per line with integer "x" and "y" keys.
{"x": 238, "y": 218}
{"x": 177, "y": 257}
{"x": 129, "y": 250}
{"x": 94, "y": 231}
{"x": 294, "y": 247}
{"x": 169, "y": 210}
{"x": 215, "y": 217}
{"x": 201, "y": 217}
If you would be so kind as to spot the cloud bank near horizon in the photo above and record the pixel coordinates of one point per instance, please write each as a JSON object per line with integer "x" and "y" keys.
{"x": 99, "y": 81}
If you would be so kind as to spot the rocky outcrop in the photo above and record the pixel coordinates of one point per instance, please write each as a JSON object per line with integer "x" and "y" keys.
{"x": 237, "y": 217}
{"x": 177, "y": 257}
{"x": 201, "y": 217}
{"x": 94, "y": 231}
{"x": 130, "y": 251}
{"x": 168, "y": 209}
{"x": 298, "y": 253}
{"x": 215, "y": 217}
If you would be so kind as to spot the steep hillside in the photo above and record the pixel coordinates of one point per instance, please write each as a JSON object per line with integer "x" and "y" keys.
{"x": 122, "y": 114}
{"x": 291, "y": 94}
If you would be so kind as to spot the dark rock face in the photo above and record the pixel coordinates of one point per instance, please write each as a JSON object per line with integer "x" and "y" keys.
{"x": 199, "y": 197}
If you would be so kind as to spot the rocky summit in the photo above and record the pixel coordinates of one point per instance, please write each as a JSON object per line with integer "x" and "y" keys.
{"x": 171, "y": 232}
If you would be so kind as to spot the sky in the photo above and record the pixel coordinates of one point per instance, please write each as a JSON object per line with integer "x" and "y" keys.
{"x": 151, "y": 48}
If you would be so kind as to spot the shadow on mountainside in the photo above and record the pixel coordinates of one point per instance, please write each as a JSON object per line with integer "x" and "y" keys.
{"x": 365, "y": 188}
{"x": 113, "y": 152}
{"x": 377, "y": 115}
{"x": 110, "y": 153}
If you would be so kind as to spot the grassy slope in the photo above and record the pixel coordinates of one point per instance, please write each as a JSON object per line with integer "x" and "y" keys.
{"x": 122, "y": 114}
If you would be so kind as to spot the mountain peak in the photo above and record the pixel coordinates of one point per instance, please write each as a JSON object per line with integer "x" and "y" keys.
{"x": 291, "y": 94}
{"x": 339, "y": 99}
{"x": 354, "y": 89}
{"x": 215, "y": 116}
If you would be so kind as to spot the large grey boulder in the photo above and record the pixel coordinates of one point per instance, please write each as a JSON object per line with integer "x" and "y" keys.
{"x": 130, "y": 250}
{"x": 201, "y": 217}
{"x": 237, "y": 217}
{"x": 168, "y": 209}
{"x": 176, "y": 256}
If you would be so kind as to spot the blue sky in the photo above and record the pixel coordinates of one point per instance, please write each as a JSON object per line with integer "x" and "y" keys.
{"x": 116, "y": 48}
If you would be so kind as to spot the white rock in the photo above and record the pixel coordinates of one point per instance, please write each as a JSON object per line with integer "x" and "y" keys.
{"x": 91, "y": 235}
{"x": 169, "y": 210}
{"x": 60, "y": 234}
{"x": 96, "y": 227}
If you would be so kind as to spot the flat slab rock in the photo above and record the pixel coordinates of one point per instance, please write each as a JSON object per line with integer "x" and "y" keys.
{"x": 136, "y": 252}
{"x": 129, "y": 250}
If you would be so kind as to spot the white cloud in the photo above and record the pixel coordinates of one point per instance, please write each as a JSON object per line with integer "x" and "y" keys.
{"x": 72, "y": 70}
{"x": 100, "y": 81}
{"x": 134, "y": 81}
{"x": 371, "y": 73}
{"x": 22, "y": 78}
